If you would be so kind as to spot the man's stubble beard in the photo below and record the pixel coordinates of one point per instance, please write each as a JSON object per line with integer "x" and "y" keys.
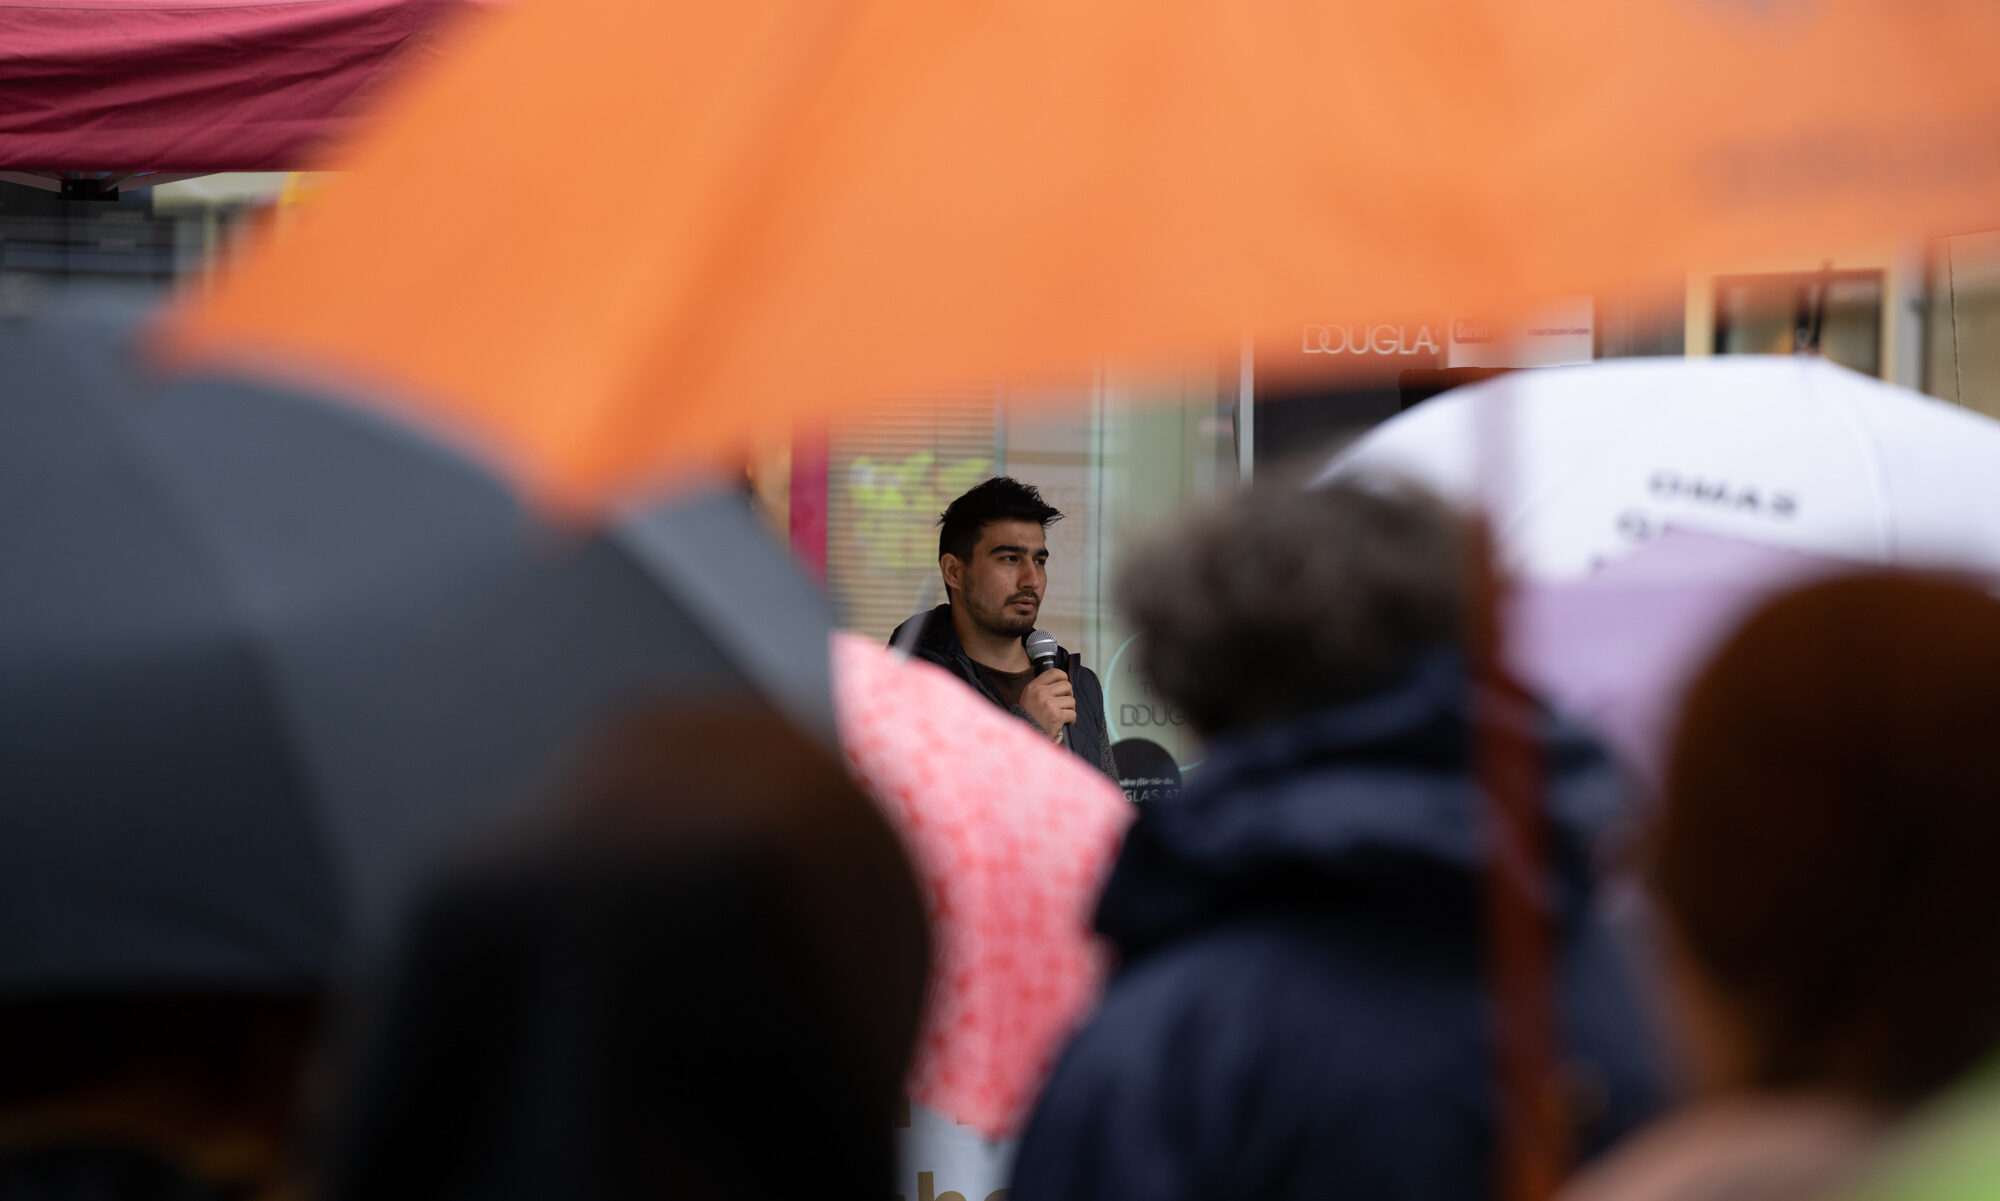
{"x": 1001, "y": 622}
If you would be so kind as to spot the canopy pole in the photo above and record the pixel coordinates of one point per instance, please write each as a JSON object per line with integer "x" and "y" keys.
{"x": 1951, "y": 283}
{"x": 1532, "y": 1144}
{"x": 1246, "y": 412}
{"x": 811, "y": 450}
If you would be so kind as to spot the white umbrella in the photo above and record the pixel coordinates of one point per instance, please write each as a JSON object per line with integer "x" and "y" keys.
{"x": 1792, "y": 452}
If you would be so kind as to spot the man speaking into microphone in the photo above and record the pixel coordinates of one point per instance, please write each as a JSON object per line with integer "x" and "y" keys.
{"x": 993, "y": 551}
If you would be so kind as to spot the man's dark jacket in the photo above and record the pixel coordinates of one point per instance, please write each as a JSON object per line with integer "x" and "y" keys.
{"x": 1302, "y": 1008}
{"x": 1089, "y": 739}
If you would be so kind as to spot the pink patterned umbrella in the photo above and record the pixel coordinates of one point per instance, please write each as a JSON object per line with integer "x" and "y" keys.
{"x": 1012, "y": 838}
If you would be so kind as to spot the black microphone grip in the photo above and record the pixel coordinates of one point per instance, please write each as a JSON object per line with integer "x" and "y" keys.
{"x": 1042, "y": 651}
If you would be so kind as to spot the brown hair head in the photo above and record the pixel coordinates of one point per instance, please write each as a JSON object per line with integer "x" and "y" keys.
{"x": 713, "y": 934}
{"x": 1830, "y": 849}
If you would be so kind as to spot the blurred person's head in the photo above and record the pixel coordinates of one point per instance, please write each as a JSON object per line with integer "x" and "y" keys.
{"x": 141, "y": 1093}
{"x": 701, "y": 978}
{"x": 1281, "y": 600}
{"x": 993, "y": 550}
{"x": 1829, "y": 850}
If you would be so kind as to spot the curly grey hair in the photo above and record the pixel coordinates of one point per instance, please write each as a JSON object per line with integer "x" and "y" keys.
{"x": 1280, "y": 600}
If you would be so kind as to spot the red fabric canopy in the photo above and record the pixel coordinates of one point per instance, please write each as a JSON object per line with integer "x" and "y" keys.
{"x": 191, "y": 85}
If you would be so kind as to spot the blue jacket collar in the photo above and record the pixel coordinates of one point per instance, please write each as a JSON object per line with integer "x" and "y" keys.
{"x": 1370, "y": 804}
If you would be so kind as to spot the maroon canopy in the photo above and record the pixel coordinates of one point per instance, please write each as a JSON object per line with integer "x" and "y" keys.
{"x": 191, "y": 85}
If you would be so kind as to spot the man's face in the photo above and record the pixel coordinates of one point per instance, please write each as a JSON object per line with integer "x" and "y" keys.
{"x": 1001, "y": 585}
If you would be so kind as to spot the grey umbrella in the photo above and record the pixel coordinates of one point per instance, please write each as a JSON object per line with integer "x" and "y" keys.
{"x": 261, "y": 656}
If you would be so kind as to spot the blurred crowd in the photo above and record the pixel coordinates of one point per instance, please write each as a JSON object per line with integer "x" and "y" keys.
{"x": 699, "y": 967}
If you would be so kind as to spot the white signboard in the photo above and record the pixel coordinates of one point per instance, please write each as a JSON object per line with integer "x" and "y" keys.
{"x": 1561, "y": 333}
{"x": 940, "y": 1160}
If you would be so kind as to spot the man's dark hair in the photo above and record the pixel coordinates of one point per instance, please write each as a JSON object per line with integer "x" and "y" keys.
{"x": 1002, "y": 498}
{"x": 1281, "y": 600}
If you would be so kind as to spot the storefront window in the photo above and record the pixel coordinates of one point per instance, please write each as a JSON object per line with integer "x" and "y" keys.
{"x": 1118, "y": 458}
{"x": 1783, "y": 314}
{"x": 142, "y": 241}
{"x": 1962, "y": 336}
{"x": 889, "y": 475}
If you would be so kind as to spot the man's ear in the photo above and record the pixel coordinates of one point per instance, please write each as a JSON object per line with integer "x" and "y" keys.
{"x": 954, "y": 572}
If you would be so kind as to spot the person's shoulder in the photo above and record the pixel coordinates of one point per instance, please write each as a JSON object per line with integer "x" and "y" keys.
{"x": 1292, "y": 988}
{"x": 1183, "y": 990}
{"x": 1213, "y": 1054}
{"x": 939, "y": 656}
{"x": 930, "y": 626}
{"x": 1080, "y": 674}
{"x": 1250, "y": 980}
{"x": 1168, "y": 1030}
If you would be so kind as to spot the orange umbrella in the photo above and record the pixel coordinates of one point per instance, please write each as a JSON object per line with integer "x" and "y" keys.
{"x": 712, "y": 216}
{"x": 720, "y": 216}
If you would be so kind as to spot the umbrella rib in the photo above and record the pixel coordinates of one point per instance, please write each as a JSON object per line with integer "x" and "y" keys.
{"x": 145, "y": 473}
{"x": 1857, "y": 429}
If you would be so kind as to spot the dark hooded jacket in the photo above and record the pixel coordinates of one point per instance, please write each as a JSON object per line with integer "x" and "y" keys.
{"x": 1302, "y": 1008}
{"x": 1089, "y": 738}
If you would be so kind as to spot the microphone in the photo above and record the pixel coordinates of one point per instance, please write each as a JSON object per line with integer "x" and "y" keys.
{"x": 1041, "y": 650}
{"x": 1042, "y": 653}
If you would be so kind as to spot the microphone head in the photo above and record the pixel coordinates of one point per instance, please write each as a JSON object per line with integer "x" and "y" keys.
{"x": 1041, "y": 649}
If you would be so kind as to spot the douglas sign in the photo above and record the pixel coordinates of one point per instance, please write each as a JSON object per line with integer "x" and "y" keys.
{"x": 1382, "y": 339}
